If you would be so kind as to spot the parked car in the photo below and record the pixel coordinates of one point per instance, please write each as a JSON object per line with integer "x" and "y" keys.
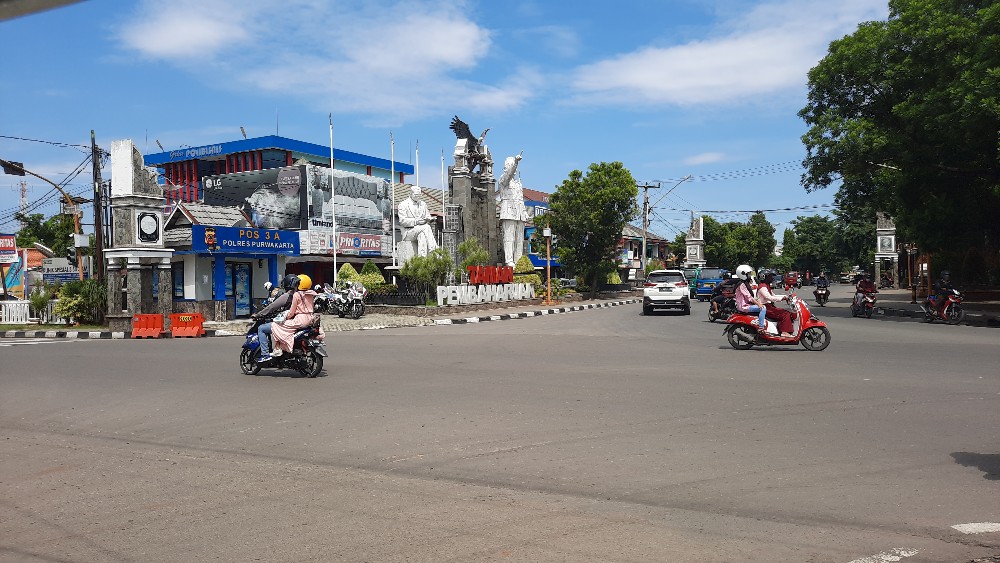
{"x": 706, "y": 281}
{"x": 665, "y": 289}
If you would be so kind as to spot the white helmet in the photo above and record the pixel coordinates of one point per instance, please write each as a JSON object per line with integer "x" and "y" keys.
{"x": 268, "y": 285}
{"x": 744, "y": 272}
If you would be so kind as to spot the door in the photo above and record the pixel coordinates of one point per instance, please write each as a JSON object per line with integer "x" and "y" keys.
{"x": 241, "y": 288}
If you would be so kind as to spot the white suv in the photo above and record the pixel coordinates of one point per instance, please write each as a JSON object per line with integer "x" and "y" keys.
{"x": 666, "y": 289}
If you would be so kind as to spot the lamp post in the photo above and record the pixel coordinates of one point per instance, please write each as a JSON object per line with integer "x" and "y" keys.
{"x": 547, "y": 233}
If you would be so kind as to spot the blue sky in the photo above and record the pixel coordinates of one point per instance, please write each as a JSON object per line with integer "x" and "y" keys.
{"x": 704, "y": 88}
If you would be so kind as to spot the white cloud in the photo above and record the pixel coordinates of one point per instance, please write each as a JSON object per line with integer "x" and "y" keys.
{"x": 391, "y": 61}
{"x": 767, "y": 50}
{"x": 704, "y": 158}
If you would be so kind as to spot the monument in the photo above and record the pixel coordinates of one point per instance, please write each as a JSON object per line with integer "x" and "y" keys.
{"x": 472, "y": 209}
{"x": 137, "y": 253}
{"x": 415, "y": 226}
{"x": 886, "y": 256}
{"x": 513, "y": 214}
{"x": 695, "y": 241}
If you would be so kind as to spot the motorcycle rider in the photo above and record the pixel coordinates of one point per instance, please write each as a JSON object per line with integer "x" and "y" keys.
{"x": 300, "y": 314}
{"x": 723, "y": 291}
{"x": 746, "y": 301}
{"x": 942, "y": 288}
{"x": 821, "y": 283}
{"x": 280, "y": 303}
{"x": 865, "y": 285}
{"x": 782, "y": 316}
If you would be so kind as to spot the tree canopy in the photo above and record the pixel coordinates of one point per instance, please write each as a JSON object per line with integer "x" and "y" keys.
{"x": 730, "y": 244}
{"x": 904, "y": 115}
{"x": 587, "y": 214}
{"x": 53, "y": 232}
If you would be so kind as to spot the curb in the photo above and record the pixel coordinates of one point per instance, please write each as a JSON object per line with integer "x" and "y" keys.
{"x": 526, "y": 314}
{"x": 94, "y": 335}
{"x": 971, "y": 319}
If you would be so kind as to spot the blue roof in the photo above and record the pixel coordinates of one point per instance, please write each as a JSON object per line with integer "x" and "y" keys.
{"x": 273, "y": 142}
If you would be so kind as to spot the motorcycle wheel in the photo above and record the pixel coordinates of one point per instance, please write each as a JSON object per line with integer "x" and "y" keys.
{"x": 357, "y": 310}
{"x": 340, "y": 311}
{"x": 854, "y": 311}
{"x": 248, "y": 361}
{"x": 815, "y": 338}
{"x": 740, "y": 337}
{"x": 869, "y": 311}
{"x": 312, "y": 364}
{"x": 954, "y": 315}
{"x": 711, "y": 315}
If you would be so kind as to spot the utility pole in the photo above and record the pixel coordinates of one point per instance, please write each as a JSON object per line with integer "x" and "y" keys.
{"x": 98, "y": 210}
{"x": 645, "y": 223}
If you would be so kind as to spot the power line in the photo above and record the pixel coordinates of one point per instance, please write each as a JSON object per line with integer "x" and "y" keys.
{"x": 56, "y": 143}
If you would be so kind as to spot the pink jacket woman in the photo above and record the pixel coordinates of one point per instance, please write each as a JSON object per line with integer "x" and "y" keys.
{"x": 300, "y": 314}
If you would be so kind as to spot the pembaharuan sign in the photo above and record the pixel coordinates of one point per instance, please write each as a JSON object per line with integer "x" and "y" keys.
{"x": 244, "y": 240}
{"x": 487, "y": 284}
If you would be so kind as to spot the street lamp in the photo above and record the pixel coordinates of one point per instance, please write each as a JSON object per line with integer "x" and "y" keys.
{"x": 547, "y": 233}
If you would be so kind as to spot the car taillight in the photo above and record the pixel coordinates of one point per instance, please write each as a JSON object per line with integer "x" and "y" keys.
{"x": 681, "y": 284}
{"x": 648, "y": 284}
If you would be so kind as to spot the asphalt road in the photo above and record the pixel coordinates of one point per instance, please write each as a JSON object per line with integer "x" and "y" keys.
{"x": 600, "y": 435}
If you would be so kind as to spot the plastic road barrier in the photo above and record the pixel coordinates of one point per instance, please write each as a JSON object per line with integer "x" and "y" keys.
{"x": 187, "y": 325}
{"x": 147, "y": 326}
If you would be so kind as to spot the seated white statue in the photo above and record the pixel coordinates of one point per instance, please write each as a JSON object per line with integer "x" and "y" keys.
{"x": 415, "y": 223}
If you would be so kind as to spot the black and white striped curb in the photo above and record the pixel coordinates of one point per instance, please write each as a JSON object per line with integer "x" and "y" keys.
{"x": 89, "y": 334}
{"x": 526, "y": 314}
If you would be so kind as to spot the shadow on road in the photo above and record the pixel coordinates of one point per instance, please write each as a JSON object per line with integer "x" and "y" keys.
{"x": 989, "y": 464}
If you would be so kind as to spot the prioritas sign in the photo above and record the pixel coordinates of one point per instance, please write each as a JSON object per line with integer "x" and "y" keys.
{"x": 243, "y": 240}
{"x": 8, "y": 250}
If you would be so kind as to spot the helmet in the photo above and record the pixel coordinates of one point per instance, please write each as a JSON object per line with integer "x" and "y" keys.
{"x": 317, "y": 288}
{"x": 267, "y": 286}
{"x": 291, "y": 281}
{"x": 768, "y": 278}
{"x": 945, "y": 275}
{"x": 305, "y": 282}
{"x": 744, "y": 272}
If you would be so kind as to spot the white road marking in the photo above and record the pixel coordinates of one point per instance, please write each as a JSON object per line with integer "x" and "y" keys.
{"x": 888, "y": 556}
{"x": 978, "y": 527}
{"x": 5, "y": 343}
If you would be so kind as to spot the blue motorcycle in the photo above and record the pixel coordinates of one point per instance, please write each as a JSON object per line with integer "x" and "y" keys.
{"x": 306, "y": 356}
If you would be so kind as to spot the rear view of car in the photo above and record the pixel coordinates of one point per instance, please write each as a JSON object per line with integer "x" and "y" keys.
{"x": 665, "y": 289}
{"x": 707, "y": 279}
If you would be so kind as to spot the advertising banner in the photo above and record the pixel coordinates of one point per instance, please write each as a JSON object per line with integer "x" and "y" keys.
{"x": 243, "y": 240}
{"x": 62, "y": 270}
{"x": 363, "y": 209}
{"x": 360, "y": 245}
{"x": 272, "y": 198}
{"x": 8, "y": 249}
{"x": 14, "y": 278}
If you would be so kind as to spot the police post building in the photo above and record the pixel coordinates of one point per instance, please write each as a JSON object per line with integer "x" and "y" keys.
{"x": 244, "y": 212}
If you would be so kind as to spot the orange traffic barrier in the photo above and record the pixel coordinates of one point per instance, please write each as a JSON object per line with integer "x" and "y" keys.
{"x": 147, "y": 326}
{"x": 187, "y": 325}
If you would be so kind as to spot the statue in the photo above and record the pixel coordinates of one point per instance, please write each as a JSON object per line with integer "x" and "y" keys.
{"x": 513, "y": 214}
{"x": 474, "y": 145}
{"x": 415, "y": 220}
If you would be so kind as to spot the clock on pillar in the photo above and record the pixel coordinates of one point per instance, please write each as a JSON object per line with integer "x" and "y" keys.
{"x": 148, "y": 223}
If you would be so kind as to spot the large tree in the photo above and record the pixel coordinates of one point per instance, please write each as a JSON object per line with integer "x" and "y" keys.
{"x": 587, "y": 214}
{"x": 728, "y": 245}
{"x": 904, "y": 115}
{"x": 53, "y": 232}
{"x": 812, "y": 244}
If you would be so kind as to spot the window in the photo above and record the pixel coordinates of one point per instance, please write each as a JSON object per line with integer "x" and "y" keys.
{"x": 664, "y": 277}
{"x": 177, "y": 273}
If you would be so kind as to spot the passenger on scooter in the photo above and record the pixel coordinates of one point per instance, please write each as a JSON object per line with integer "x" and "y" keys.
{"x": 746, "y": 302}
{"x": 723, "y": 291}
{"x": 281, "y": 303}
{"x": 942, "y": 288}
{"x": 782, "y": 316}
{"x": 865, "y": 285}
{"x": 300, "y": 315}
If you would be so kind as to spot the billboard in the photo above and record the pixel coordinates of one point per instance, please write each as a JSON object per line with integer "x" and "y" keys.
{"x": 243, "y": 240}
{"x": 62, "y": 270}
{"x": 8, "y": 249}
{"x": 302, "y": 198}
{"x": 272, "y": 198}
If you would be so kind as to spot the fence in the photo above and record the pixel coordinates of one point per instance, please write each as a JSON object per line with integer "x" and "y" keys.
{"x": 398, "y": 298}
{"x": 19, "y": 313}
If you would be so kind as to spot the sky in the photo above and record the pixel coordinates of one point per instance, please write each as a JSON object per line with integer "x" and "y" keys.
{"x": 673, "y": 88}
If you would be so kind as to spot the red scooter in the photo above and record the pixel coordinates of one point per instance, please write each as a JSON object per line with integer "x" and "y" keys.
{"x": 865, "y": 305}
{"x": 807, "y": 330}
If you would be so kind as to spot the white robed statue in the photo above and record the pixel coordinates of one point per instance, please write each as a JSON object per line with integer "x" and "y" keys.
{"x": 415, "y": 222}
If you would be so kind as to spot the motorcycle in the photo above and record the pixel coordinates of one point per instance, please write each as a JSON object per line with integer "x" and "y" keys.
{"x": 885, "y": 283}
{"x": 807, "y": 330}
{"x": 727, "y": 309}
{"x": 350, "y": 301}
{"x": 321, "y": 303}
{"x": 306, "y": 356}
{"x": 822, "y": 295}
{"x": 864, "y": 306}
{"x": 950, "y": 311}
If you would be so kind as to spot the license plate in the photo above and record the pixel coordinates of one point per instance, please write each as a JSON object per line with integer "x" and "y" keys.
{"x": 709, "y": 284}
{"x": 666, "y": 289}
